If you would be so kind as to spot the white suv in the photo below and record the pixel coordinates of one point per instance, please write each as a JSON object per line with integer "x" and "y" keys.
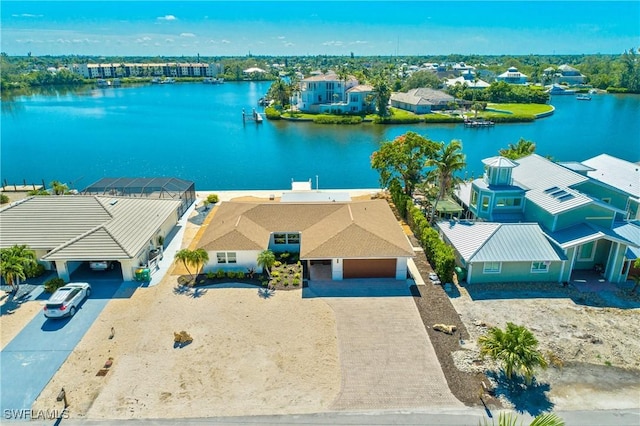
{"x": 65, "y": 301}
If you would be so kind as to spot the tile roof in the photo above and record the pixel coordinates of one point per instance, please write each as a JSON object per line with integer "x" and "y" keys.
{"x": 358, "y": 229}
{"x": 84, "y": 227}
{"x": 621, "y": 174}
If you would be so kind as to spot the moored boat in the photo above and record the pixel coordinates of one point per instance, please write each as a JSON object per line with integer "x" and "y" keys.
{"x": 583, "y": 97}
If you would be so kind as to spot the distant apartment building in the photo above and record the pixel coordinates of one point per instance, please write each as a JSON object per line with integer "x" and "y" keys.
{"x": 168, "y": 69}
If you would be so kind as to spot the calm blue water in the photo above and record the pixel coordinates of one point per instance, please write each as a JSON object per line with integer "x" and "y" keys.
{"x": 195, "y": 132}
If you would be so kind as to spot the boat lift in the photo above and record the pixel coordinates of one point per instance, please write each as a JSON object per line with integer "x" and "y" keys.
{"x": 255, "y": 116}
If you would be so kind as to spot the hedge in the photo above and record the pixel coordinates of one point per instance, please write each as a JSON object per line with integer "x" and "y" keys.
{"x": 331, "y": 119}
{"x": 442, "y": 118}
{"x": 272, "y": 113}
{"x": 397, "y": 120}
{"x": 509, "y": 118}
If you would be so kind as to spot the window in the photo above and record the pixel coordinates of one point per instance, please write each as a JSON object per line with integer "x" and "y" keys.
{"x": 492, "y": 267}
{"x": 280, "y": 238}
{"x": 293, "y": 238}
{"x": 538, "y": 267}
{"x": 474, "y": 198}
{"x": 606, "y": 200}
{"x": 226, "y": 257}
{"x": 501, "y": 202}
{"x": 587, "y": 251}
{"x": 485, "y": 203}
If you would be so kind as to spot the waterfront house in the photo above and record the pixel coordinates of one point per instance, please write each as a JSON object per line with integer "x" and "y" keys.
{"x": 422, "y": 100}
{"x": 582, "y": 217}
{"x": 333, "y": 94}
{"x": 123, "y": 221}
{"x": 569, "y": 75}
{"x": 345, "y": 239}
{"x": 512, "y": 76}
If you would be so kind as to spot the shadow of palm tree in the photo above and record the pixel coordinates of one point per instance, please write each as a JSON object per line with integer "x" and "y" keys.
{"x": 181, "y": 289}
{"x": 198, "y": 292}
{"x": 265, "y": 293}
{"x": 526, "y": 398}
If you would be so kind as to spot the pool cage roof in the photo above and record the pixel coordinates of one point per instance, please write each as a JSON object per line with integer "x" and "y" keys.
{"x": 160, "y": 187}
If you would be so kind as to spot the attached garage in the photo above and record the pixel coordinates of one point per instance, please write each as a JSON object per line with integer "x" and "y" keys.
{"x": 369, "y": 268}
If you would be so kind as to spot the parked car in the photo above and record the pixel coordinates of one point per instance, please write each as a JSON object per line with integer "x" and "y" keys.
{"x": 101, "y": 265}
{"x": 66, "y": 300}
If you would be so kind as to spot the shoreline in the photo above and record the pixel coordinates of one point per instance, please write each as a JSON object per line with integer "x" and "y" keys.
{"x": 228, "y": 195}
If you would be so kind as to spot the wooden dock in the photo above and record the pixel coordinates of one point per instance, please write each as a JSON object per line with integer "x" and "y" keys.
{"x": 255, "y": 116}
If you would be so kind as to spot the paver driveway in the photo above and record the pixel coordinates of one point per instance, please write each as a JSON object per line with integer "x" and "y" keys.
{"x": 386, "y": 357}
{"x": 29, "y": 361}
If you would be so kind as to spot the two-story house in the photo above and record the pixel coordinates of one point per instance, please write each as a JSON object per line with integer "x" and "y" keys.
{"x": 333, "y": 94}
{"x": 512, "y": 76}
{"x": 541, "y": 221}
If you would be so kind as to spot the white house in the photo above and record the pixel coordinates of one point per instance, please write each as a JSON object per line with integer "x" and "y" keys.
{"x": 357, "y": 239}
{"x": 421, "y": 101}
{"x": 512, "y": 76}
{"x": 327, "y": 92}
{"x": 67, "y": 231}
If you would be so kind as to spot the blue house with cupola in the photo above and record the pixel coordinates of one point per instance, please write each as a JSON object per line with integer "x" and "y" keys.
{"x": 535, "y": 220}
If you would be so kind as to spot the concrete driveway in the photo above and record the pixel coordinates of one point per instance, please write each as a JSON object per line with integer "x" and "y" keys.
{"x": 386, "y": 357}
{"x": 31, "y": 359}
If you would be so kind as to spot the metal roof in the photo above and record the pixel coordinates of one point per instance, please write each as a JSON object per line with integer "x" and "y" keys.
{"x": 556, "y": 199}
{"x": 534, "y": 171}
{"x": 615, "y": 172}
{"x": 84, "y": 227}
{"x": 496, "y": 242}
{"x": 466, "y": 236}
{"x": 499, "y": 161}
{"x": 631, "y": 232}
{"x": 518, "y": 242}
{"x": 586, "y": 232}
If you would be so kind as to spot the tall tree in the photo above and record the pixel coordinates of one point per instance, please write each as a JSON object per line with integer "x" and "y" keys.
{"x": 185, "y": 256}
{"x": 15, "y": 261}
{"x": 446, "y": 162}
{"x": 403, "y": 160}
{"x": 515, "y": 347}
{"x": 519, "y": 150}
{"x": 195, "y": 258}
{"x": 383, "y": 94}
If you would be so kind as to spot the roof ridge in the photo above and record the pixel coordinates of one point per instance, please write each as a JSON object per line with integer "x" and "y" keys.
{"x": 379, "y": 236}
{"x": 76, "y": 239}
{"x": 484, "y": 243}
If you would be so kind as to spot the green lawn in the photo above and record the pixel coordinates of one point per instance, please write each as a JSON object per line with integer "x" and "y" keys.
{"x": 523, "y": 109}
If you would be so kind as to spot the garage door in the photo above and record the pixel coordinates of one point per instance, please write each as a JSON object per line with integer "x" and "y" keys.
{"x": 369, "y": 268}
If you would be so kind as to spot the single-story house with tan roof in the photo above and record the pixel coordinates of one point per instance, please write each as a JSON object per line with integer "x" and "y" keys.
{"x": 67, "y": 231}
{"x": 358, "y": 239}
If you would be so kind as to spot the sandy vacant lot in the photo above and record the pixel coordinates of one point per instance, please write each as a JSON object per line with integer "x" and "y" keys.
{"x": 250, "y": 355}
{"x": 598, "y": 346}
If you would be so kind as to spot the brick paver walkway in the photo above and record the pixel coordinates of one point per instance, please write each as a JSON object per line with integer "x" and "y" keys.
{"x": 386, "y": 357}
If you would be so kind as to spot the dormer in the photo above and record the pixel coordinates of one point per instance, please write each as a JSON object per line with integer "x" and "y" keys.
{"x": 497, "y": 171}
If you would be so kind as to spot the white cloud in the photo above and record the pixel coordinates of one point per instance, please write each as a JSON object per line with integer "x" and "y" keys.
{"x": 167, "y": 18}
{"x": 281, "y": 37}
{"x": 333, "y": 43}
{"x": 225, "y": 41}
{"x": 359, "y": 42}
{"x": 187, "y": 35}
{"x": 143, "y": 39}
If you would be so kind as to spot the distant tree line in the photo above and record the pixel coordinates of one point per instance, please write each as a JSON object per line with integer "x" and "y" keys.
{"x": 602, "y": 71}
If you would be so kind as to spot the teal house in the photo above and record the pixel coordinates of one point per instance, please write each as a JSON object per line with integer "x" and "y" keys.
{"x": 535, "y": 220}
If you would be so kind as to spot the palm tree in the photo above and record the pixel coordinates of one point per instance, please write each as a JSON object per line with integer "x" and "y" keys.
{"x": 447, "y": 162}
{"x": 14, "y": 263}
{"x": 185, "y": 256}
{"x": 515, "y": 347}
{"x": 199, "y": 258}
{"x": 519, "y": 150}
{"x": 266, "y": 259}
{"x": 635, "y": 278}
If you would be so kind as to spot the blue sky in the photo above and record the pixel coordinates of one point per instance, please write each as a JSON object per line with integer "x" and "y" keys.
{"x": 234, "y": 28}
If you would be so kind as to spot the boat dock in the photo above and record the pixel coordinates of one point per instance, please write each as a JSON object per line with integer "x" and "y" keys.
{"x": 255, "y": 116}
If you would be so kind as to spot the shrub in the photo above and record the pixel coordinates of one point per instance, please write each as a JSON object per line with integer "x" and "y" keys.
{"x": 616, "y": 90}
{"x": 213, "y": 198}
{"x": 4, "y": 199}
{"x": 275, "y": 273}
{"x": 297, "y": 275}
{"x": 332, "y": 119}
{"x": 231, "y": 274}
{"x": 211, "y": 275}
{"x": 295, "y": 282}
{"x": 53, "y": 284}
{"x": 220, "y": 273}
{"x": 240, "y": 275}
{"x": 397, "y": 120}
{"x": 272, "y": 113}
{"x": 442, "y": 118}
{"x": 284, "y": 256}
{"x": 286, "y": 284}
{"x": 34, "y": 271}
{"x": 277, "y": 264}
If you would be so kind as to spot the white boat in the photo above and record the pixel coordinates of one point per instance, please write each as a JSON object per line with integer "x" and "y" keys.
{"x": 583, "y": 97}
{"x": 168, "y": 80}
{"x": 101, "y": 82}
{"x": 212, "y": 80}
{"x": 155, "y": 80}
